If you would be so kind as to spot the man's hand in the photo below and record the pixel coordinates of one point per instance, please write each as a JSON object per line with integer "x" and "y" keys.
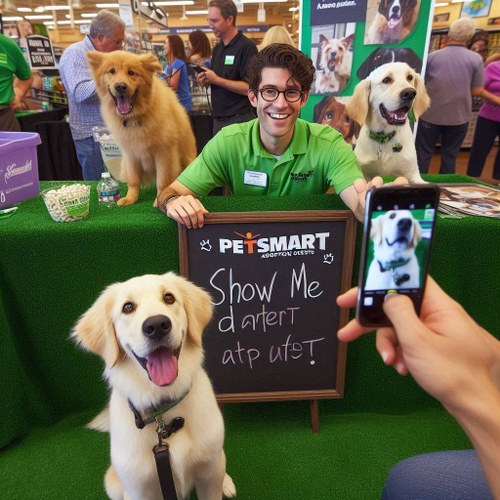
{"x": 207, "y": 77}
{"x": 186, "y": 210}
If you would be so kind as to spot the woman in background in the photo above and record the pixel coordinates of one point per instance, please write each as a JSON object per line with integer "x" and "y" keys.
{"x": 487, "y": 126}
{"x": 200, "y": 54}
{"x": 201, "y": 51}
{"x": 176, "y": 70}
{"x": 276, "y": 34}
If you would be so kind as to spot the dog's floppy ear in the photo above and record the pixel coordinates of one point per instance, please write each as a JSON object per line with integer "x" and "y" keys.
{"x": 198, "y": 306}
{"x": 94, "y": 60}
{"x": 359, "y": 104}
{"x": 417, "y": 233}
{"x": 95, "y": 332}
{"x": 150, "y": 63}
{"x": 422, "y": 100}
{"x": 318, "y": 109}
{"x": 376, "y": 230}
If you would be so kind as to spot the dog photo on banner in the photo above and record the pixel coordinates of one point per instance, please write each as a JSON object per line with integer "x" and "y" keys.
{"x": 331, "y": 52}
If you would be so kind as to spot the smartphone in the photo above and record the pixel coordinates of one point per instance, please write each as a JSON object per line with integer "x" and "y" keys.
{"x": 197, "y": 68}
{"x": 397, "y": 241}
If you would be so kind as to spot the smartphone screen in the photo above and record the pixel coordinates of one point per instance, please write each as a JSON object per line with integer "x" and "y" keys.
{"x": 397, "y": 240}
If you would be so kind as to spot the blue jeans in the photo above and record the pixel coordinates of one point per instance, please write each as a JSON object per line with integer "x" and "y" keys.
{"x": 89, "y": 155}
{"x": 428, "y": 134}
{"x": 442, "y": 475}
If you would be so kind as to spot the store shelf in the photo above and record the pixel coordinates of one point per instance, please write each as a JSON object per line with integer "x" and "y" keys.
{"x": 57, "y": 98}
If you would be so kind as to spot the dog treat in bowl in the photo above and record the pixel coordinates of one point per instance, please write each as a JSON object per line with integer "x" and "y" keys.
{"x": 68, "y": 203}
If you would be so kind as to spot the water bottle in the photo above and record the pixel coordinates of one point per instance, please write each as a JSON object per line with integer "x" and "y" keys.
{"x": 108, "y": 191}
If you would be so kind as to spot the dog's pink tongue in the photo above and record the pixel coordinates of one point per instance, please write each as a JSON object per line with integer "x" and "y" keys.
{"x": 162, "y": 366}
{"x": 123, "y": 106}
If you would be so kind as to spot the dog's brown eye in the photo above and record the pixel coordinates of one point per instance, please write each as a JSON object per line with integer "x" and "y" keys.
{"x": 128, "y": 307}
{"x": 130, "y": 73}
{"x": 387, "y": 80}
{"x": 410, "y": 78}
{"x": 169, "y": 298}
{"x": 347, "y": 119}
{"x": 112, "y": 71}
{"x": 392, "y": 216}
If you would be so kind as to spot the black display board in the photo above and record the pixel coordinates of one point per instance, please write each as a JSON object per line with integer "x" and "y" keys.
{"x": 273, "y": 278}
{"x": 40, "y": 52}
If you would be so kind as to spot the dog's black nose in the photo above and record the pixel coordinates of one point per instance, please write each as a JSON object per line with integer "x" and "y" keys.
{"x": 408, "y": 94}
{"x": 121, "y": 87}
{"x": 404, "y": 224}
{"x": 157, "y": 327}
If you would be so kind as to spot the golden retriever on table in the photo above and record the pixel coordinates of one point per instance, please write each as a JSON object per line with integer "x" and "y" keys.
{"x": 148, "y": 331}
{"x": 381, "y": 104}
{"x": 395, "y": 237}
{"x": 146, "y": 119}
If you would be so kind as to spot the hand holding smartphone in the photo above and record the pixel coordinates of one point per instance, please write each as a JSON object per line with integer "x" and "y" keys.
{"x": 397, "y": 240}
{"x": 197, "y": 68}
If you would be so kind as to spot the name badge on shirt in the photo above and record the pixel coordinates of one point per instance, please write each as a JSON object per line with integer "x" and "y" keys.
{"x": 251, "y": 178}
{"x": 229, "y": 60}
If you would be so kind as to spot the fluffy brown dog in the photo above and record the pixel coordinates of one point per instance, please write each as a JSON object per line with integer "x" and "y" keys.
{"x": 146, "y": 119}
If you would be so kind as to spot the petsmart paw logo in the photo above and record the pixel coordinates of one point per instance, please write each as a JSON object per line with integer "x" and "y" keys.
{"x": 248, "y": 243}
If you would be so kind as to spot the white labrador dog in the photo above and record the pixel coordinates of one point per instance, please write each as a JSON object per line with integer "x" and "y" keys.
{"x": 148, "y": 331}
{"x": 395, "y": 236}
{"x": 380, "y": 104}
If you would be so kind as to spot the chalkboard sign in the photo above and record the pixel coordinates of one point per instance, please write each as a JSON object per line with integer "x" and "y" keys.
{"x": 273, "y": 278}
{"x": 40, "y": 52}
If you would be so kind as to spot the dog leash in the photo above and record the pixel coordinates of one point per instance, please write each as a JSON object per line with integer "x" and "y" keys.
{"x": 161, "y": 451}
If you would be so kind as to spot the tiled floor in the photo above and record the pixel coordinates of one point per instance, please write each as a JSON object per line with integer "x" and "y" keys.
{"x": 462, "y": 161}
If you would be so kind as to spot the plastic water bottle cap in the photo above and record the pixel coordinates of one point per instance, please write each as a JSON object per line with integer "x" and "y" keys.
{"x": 105, "y": 175}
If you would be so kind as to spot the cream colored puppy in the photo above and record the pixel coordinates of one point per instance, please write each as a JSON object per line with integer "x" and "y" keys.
{"x": 148, "y": 331}
{"x": 395, "y": 236}
{"x": 380, "y": 104}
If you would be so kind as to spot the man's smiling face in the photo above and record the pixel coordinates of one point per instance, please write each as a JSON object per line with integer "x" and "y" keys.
{"x": 277, "y": 119}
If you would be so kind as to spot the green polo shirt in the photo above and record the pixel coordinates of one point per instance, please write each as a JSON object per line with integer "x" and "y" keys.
{"x": 316, "y": 159}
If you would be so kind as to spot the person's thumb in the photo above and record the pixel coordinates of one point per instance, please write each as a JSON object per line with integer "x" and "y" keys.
{"x": 401, "y": 312}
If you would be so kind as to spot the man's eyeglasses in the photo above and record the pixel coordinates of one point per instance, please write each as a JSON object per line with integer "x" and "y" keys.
{"x": 120, "y": 42}
{"x": 270, "y": 95}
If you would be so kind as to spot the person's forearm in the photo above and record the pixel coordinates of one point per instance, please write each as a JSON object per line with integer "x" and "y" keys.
{"x": 22, "y": 86}
{"x": 487, "y": 96}
{"x": 480, "y": 420}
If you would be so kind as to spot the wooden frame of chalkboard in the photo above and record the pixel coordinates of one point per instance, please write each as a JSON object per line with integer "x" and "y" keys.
{"x": 273, "y": 278}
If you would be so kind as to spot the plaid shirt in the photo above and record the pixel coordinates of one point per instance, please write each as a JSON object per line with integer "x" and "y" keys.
{"x": 84, "y": 112}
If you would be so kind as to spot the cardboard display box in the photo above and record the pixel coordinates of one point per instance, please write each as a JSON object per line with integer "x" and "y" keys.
{"x": 18, "y": 167}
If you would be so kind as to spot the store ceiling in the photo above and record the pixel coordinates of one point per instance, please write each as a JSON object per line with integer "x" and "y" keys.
{"x": 82, "y": 9}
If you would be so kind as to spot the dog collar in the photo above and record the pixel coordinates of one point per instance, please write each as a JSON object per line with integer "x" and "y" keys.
{"x": 155, "y": 410}
{"x": 381, "y": 137}
{"x": 392, "y": 264}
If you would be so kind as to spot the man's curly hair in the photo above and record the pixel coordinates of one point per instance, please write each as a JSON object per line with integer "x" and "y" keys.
{"x": 281, "y": 55}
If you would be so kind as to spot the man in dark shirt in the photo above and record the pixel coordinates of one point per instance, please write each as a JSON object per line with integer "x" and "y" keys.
{"x": 227, "y": 76}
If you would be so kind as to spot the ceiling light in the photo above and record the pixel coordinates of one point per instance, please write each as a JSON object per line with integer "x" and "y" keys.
{"x": 12, "y": 18}
{"x": 196, "y": 12}
{"x": 107, "y": 5}
{"x": 263, "y": 1}
{"x": 441, "y": 4}
{"x": 89, "y": 14}
{"x": 293, "y": 9}
{"x": 173, "y": 2}
{"x": 24, "y": 9}
{"x": 38, "y": 16}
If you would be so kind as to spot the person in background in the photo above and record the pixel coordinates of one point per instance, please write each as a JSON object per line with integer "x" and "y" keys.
{"x": 200, "y": 53}
{"x": 106, "y": 34}
{"x": 12, "y": 64}
{"x": 487, "y": 126}
{"x": 227, "y": 75}
{"x": 276, "y": 154}
{"x": 479, "y": 43}
{"x": 200, "y": 50}
{"x": 276, "y": 34}
{"x": 454, "y": 74}
{"x": 457, "y": 362}
{"x": 176, "y": 70}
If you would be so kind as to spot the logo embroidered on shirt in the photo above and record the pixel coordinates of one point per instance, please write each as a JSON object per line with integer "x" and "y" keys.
{"x": 301, "y": 177}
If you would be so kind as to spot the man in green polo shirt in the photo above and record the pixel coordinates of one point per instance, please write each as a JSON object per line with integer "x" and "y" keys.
{"x": 275, "y": 154}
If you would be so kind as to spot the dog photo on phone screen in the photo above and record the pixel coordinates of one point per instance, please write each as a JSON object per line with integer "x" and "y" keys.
{"x": 398, "y": 249}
